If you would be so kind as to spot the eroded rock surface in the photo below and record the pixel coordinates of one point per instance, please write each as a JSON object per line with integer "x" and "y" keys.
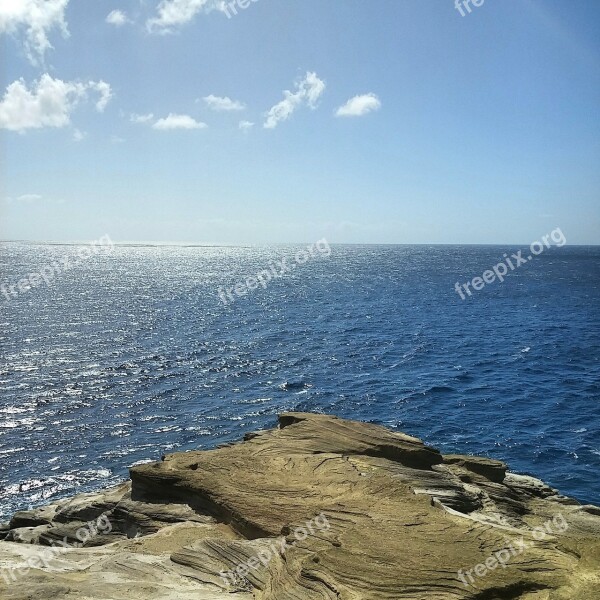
{"x": 319, "y": 508}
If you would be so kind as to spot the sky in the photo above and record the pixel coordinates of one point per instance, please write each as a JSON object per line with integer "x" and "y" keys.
{"x": 289, "y": 121}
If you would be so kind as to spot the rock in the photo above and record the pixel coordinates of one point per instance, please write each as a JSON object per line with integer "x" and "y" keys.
{"x": 33, "y": 518}
{"x": 494, "y": 470}
{"x": 319, "y": 508}
{"x": 592, "y": 510}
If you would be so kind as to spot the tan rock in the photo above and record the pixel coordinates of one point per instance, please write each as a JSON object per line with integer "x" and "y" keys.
{"x": 320, "y": 508}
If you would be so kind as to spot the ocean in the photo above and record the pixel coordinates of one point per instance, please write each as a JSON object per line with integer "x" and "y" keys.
{"x": 136, "y": 351}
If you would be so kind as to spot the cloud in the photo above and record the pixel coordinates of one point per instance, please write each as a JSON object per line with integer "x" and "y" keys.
{"x": 34, "y": 19}
{"x": 223, "y": 104}
{"x": 174, "y": 121}
{"x": 135, "y": 118}
{"x": 26, "y": 199}
{"x": 308, "y": 91}
{"x": 359, "y": 106}
{"x": 246, "y": 125}
{"x": 174, "y": 13}
{"x": 49, "y": 103}
{"x": 117, "y": 18}
{"x": 79, "y": 136}
{"x": 29, "y": 198}
{"x": 105, "y": 92}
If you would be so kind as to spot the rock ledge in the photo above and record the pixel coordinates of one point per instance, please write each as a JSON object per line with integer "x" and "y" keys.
{"x": 319, "y": 508}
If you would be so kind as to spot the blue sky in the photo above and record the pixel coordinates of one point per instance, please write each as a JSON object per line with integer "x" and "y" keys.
{"x": 403, "y": 121}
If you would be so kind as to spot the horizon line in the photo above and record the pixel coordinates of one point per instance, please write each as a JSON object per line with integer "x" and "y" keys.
{"x": 264, "y": 244}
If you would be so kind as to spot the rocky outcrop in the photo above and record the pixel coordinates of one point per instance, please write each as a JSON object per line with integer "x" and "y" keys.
{"x": 319, "y": 508}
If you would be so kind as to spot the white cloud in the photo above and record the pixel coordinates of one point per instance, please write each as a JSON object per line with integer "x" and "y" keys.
{"x": 26, "y": 199}
{"x": 34, "y": 19}
{"x": 223, "y": 104}
{"x": 78, "y": 135}
{"x": 174, "y": 13}
{"x": 308, "y": 91}
{"x": 246, "y": 125}
{"x": 359, "y": 106}
{"x": 135, "y": 118}
{"x": 117, "y": 18}
{"x": 174, "y": 121}
{"x": 29, "y": 198}
{"x": 49, "y": 103}
{"x": 105, "y": 92}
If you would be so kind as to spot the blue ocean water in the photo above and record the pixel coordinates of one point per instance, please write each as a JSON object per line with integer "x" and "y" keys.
{"x": 131, "y": 354}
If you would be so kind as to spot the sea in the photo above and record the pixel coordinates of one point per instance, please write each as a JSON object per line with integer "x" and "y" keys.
{"x": 128, "y": 352}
